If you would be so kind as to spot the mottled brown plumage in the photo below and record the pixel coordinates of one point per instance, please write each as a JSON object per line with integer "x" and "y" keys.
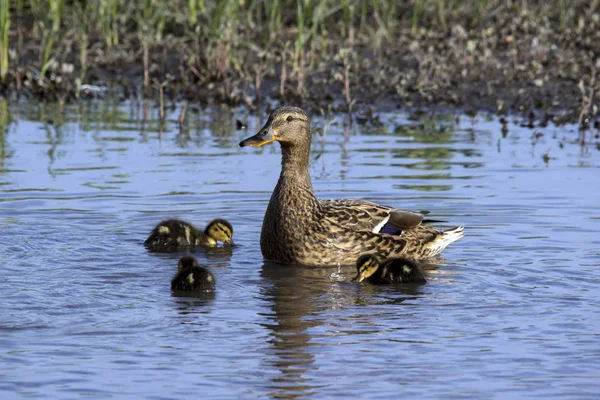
{"x": 298, "y": 228}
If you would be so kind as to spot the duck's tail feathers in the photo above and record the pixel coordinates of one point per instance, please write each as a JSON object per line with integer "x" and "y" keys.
{"x": 447, "y": 237}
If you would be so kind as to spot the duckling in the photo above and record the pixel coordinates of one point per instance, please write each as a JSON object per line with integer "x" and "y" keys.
{"x": 190, "y": 277}
{"x": 393, "y": 270}
{"x": 173, "y": 234}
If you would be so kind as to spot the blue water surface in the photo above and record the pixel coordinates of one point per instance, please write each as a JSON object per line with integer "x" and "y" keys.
{"x": 511, "y": 311}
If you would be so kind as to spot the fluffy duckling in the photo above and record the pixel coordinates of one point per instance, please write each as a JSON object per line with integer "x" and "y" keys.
{"x": 393, "y": 270}
{"x": 190, "y": 277}
{"x": 174, "y": 234}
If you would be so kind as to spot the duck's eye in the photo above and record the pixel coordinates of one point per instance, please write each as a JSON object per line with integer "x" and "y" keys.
{"x": 289, "y": 118}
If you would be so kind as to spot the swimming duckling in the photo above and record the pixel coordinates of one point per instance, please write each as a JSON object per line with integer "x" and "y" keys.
{"x": 173, "y": 234}
{"x": 393, "y": 270}
{"x": 190, "y": 277}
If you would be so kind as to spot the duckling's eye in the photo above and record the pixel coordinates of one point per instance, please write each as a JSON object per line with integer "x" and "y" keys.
{"x": 289, "y": 118}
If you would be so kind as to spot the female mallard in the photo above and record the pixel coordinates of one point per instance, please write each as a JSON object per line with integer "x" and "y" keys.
{"x": 174, "y": 234}
{"x": 190, "y": 277}
{"x": 298, "y": 228}
{"x": 392, "y": 270}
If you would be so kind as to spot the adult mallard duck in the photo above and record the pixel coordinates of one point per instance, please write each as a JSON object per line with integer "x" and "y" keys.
{"x": 175, "y": 234}
{"x": 300, "y": 229}
{"x": 392, "y": 270}
{"x": 190, "y": 277}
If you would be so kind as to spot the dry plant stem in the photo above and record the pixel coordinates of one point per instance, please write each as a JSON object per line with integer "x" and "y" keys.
{"x": 300, "y": 71}
{"x": 162, "y": 104}
{"x": 146, "y": 66}
{"x": 347, "y": 82}
{"x": 196, "y": 72}
{"x": 257, "y": 80}
{"x": 182, "y": 114}
{"x": 145, "y": 114}
{"x": 182, "y": 70}
{"x": 587, "y": 102}
{"x": 283, "y": 76}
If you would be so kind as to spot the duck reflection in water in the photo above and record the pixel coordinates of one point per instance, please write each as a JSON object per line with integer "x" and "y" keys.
{"x": 193, "y": 308}
{"x": 295, "y": 294}
{"x": 302, "y": 298}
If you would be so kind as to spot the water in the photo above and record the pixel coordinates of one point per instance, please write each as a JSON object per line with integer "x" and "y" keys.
{"x": 511, "y": 311}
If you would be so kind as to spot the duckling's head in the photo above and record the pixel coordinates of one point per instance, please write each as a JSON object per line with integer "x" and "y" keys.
{"x": 186, "y": 262}
{"x": 220, "y": 230}
{"x": 366, "y": 265}
{"x": 287, "y": 125}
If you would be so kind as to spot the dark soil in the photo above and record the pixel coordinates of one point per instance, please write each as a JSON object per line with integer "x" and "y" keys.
{"x": 513, "y": 62}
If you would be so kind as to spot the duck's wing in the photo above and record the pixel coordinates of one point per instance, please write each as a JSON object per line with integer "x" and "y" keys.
{"x": 363, "y": 215}
{"x": 348, "y": 243}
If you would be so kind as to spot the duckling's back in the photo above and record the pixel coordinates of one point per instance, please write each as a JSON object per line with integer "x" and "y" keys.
{"x": 402, "y": 270}
{"x": 172, "y": 234}
{"x": 193, "y": 279}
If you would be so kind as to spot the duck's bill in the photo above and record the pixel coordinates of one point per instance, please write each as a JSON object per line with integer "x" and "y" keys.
{"x": 263, "y": 137}
{"x": 358, "y": 278}
{"x": 229, "y": 242}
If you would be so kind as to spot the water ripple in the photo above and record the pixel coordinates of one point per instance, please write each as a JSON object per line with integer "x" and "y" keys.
{"x": 510, "y": 311}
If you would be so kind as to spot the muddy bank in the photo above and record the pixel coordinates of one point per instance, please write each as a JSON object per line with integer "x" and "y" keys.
{"x": 538, "y": 61}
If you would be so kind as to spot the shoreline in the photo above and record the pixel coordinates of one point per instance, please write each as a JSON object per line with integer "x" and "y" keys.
{"x": 538, "y": 62}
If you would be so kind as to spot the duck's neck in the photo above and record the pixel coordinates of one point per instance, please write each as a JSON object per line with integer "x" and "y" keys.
{"x": 295, "y": 159}
{"x": 294, "y": 187}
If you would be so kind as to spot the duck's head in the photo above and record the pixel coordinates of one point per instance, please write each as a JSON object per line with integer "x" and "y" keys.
{"x": 366, "y": 265}
{"x": 186, "y": 262}
{"x": 220, "y": 230}
{"x": 287, "y": 125}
